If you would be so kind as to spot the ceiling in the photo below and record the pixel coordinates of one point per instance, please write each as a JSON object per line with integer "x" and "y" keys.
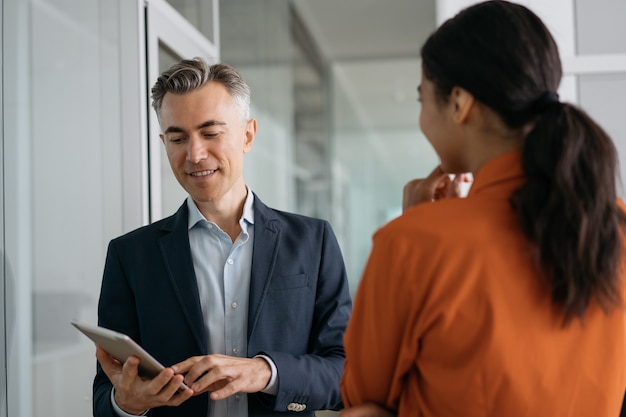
{"x": 373, "y": 49}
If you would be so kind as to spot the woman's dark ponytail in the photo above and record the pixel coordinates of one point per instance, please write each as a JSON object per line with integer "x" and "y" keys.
{"x": 504, "y": 55}
{"x": 568, "y": 207}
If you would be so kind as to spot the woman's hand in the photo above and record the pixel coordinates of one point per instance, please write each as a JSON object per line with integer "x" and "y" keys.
{"x": 435, "y": 186}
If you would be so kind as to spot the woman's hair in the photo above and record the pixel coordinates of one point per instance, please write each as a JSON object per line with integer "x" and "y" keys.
{"x": 192, "y": 74}
{"x": 504, "y": 55}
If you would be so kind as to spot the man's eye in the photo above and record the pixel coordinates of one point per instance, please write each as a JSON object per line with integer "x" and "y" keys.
{"x": 177, "y": 140}
{"x": 210, "y": 135}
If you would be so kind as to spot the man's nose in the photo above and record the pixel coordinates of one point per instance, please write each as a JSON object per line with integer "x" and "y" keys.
{"x": 196, "y": 151}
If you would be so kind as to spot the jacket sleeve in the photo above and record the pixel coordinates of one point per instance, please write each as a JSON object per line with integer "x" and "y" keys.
{"x": 115, "y": 311}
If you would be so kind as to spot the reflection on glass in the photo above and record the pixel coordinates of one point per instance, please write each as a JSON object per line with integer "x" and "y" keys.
{"x": 311, "y": 126}
{"x": 199, "y": 13}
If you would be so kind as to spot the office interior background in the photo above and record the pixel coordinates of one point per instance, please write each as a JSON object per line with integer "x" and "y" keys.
{"x": 334, "y": 92}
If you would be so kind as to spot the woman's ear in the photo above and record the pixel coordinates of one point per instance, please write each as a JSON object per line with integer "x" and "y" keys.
{"x": 463, "y": 102}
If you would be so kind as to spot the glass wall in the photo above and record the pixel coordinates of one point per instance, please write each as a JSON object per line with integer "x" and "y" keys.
{"x": 255, "y": 37}
{"x": 62, "y": 192}
{"x": 368, "y": 178}
{"x": 312, "y": 130}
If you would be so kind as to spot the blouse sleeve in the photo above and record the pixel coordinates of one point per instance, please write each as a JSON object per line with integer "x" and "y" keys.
{"x": 381, "y": 342}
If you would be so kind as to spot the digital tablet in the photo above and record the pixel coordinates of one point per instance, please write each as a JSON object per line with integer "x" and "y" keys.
{"x": 121, "y": 346}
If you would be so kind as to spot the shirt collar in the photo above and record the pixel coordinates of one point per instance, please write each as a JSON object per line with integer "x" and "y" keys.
{"x": 195, "y": 216}
{"x": 248, "y": 211}
{"x": 504, "y": 171}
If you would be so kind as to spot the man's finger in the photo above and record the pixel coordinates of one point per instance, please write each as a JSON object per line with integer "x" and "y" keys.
{"x": 186, "y": 365}
{"x": 226, "y": 391}
{"x": 109, "y": 364}
{"x": 131, "y": 367}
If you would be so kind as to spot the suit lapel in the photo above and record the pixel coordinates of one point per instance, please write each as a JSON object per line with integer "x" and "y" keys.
{"x": 176, "y": 252}
{"x": 265, "y": 250}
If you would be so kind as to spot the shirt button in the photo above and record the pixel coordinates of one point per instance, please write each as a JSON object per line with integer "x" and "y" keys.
{"x": 235, "y": 350}
{"x": 230, "y": 261}
{"x": 234, "y": 304}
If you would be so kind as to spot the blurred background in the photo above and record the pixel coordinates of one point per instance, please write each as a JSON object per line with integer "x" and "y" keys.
{"x": 334, "y": 92}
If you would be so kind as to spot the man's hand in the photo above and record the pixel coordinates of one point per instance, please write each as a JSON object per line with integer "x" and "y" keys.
{"x": 224, "y": 375}
{"x": 435, "y": 186}
{"x": 366, "y": 410}
{"x": 135, "y": 395}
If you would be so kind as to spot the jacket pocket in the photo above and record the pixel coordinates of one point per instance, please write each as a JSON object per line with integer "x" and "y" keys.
{"x": 287, "y": 282}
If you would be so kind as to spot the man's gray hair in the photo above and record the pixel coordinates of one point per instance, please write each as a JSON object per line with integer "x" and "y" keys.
{"x": 192, "y": 74}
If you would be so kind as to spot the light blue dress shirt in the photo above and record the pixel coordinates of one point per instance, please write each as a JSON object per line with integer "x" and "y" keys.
{"x": 223, "y": 271}
{"x": 223, "y": 275}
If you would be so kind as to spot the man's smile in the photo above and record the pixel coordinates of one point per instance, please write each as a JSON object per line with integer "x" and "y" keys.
{"x": 202, "y": 173}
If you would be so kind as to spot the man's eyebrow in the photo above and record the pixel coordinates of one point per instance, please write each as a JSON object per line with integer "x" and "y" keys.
{"x": 211, "y": 123}
{"x": 173, "y": 129}
{"x": 208, "y": 123}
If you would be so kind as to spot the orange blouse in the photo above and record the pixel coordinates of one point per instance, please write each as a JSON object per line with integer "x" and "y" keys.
{"x": 452, "y": 319}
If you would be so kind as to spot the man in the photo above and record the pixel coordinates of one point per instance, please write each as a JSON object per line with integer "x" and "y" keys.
{"x": 240, "y": 301}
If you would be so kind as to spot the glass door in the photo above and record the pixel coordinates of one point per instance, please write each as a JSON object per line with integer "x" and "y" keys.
{"x": 171, "y": 37}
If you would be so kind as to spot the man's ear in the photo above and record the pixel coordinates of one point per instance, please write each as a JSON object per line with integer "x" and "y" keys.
{"x": 249, "y": 135}
{"x": 463, "y": 102}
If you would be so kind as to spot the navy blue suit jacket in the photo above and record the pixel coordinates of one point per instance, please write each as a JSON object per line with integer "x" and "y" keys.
{"x": 298, "y": 310}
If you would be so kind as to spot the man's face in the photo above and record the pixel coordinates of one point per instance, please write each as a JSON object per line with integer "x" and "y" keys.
{"x": 205, "y": 140}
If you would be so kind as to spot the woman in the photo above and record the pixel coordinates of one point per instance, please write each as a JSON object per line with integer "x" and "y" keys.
{"x": 507, "y": 302}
